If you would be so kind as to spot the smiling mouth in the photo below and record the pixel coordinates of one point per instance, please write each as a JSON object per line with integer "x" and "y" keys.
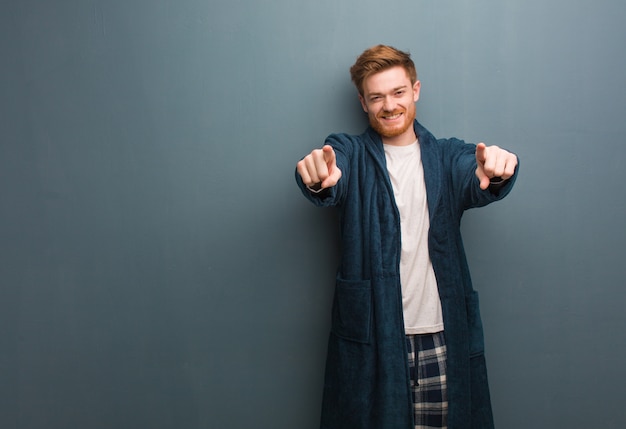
{"x": 391, "y": 117}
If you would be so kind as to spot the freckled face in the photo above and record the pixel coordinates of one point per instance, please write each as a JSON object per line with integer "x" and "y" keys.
{"x": 389, "y": 101}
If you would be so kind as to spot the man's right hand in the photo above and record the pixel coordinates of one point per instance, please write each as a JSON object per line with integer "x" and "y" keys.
{"x": 319, "y": 168}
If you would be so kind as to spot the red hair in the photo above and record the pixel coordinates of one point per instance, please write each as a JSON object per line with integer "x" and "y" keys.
{"x": 379, "y": 58}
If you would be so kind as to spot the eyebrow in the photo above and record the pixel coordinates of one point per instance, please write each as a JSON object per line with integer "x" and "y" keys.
{"x": 393, "y": 90}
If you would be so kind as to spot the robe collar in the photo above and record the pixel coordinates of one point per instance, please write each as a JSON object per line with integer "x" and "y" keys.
{"x": 430, "y": 161}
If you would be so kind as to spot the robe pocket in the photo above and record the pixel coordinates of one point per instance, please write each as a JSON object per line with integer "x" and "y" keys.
{"x": 475, "y": 325}
{"x": 352, "y": 310}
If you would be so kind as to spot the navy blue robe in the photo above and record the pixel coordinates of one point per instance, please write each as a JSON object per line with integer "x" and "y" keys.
{"x": 367, "y": 383}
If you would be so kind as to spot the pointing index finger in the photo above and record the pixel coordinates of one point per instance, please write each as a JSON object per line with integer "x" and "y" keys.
{"x": 329, "y": 153}
{"x": 481, "y": 156}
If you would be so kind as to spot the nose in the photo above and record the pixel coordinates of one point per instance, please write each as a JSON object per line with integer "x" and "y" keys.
{"x": 389, "y": 104}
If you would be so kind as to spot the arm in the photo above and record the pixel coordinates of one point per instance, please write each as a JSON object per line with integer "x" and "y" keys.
{"x": 479, "y": 174}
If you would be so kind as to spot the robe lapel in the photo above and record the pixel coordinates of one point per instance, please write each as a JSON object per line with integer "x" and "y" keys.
{"x": 432, "y": 166}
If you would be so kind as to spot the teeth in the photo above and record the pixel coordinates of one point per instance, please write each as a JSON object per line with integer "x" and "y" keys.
{"x": 392, "y": 116}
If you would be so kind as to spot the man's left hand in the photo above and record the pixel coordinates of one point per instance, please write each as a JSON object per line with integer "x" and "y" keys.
{"x": 493, "y": 162}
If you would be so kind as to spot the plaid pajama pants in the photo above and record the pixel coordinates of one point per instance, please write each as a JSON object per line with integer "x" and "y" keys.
{"x": 427, "y": 365}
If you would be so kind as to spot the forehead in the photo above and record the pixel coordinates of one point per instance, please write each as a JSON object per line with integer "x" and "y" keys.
{"x": 386, "y": 81}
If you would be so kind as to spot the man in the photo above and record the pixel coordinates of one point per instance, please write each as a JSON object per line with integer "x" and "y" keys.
{"x": 406, "y": 348}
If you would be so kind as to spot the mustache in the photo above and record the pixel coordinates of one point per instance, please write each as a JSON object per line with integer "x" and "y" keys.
{"x": 390, "y": 113}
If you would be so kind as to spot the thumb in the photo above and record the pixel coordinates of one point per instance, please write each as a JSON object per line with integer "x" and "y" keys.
{"x": 483, "y": 179}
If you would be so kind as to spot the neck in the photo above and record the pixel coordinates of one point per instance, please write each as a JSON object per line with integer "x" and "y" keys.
{"x": 404, "y": 139}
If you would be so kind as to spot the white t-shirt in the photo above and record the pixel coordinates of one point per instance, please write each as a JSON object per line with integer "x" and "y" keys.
{"x": 420, "y": 297}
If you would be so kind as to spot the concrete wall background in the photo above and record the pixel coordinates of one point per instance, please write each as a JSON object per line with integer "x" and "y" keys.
{"x": 158, "y": 267}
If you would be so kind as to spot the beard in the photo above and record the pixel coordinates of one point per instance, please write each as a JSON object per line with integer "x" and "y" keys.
{"x": 392, "y": 131}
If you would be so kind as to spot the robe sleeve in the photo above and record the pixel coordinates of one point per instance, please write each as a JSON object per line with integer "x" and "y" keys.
{"x": 462, "y": 167}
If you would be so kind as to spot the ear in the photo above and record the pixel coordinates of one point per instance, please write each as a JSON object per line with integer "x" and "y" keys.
{"x": 416, "y": 90}
{"x": 363, "y": 105}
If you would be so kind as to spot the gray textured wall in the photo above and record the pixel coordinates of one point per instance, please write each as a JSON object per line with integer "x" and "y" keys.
{"x": 158, "y": 267}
